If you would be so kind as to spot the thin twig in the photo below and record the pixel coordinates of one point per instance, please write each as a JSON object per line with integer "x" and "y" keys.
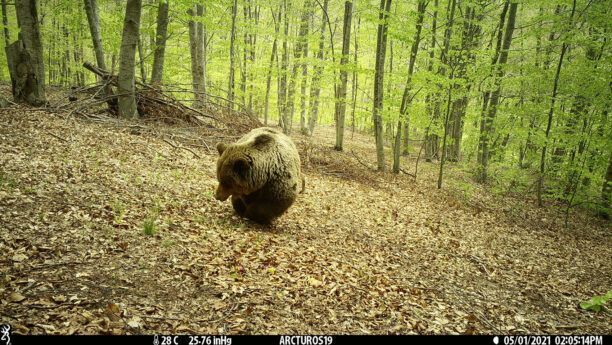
{"x": 56, "y": 137}
{"x": 362, "y": 163}
{"x": 180, "y": 147}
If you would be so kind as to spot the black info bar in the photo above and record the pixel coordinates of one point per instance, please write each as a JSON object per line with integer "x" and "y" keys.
{"x": 16, "y": 339}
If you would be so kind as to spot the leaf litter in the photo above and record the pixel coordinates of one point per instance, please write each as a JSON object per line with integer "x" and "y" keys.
{"x": 359, "y": 252}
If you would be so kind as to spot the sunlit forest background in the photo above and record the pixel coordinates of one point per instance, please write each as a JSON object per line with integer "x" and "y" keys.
{"x": 517, "y": 93}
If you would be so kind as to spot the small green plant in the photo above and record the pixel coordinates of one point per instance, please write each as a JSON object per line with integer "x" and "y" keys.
{"x": 597, "y": 303}
{"x": 119, "y": 210}
{"x": 149, "y": 227}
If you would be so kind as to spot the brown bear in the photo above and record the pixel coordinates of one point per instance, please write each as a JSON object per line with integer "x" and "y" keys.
{"x": 261, "y": 172}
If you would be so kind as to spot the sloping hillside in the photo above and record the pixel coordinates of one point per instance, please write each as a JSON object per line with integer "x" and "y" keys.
{"x": 359, "y": 252}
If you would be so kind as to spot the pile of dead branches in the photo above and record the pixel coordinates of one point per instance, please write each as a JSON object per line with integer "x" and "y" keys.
{"x": 156, "y": 104}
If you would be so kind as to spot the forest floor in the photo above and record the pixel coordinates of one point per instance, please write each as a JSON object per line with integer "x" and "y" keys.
{"x": 359, "y": 252}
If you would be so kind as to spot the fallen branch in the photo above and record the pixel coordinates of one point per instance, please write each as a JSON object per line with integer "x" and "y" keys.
{"x": 180, "y": 147}
{"x": 362, "y": 163}
{"x": 56, "y": 137}
{"x": 407, "y": 173}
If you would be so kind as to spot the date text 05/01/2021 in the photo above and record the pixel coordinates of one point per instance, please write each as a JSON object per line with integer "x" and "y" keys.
{"x": 551, "y": 340}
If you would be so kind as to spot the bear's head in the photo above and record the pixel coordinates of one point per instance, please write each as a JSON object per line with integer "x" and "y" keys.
{"x": 239, "y": 165}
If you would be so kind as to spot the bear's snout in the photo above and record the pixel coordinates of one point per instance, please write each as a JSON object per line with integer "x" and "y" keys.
{"x": 221, "y": 194}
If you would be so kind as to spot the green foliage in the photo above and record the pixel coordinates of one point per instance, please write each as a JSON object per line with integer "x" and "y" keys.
{"x": 149, "y": 224}
{"x": 597, "y": 303}
{"x": 580, "y": 140}
{"x": 119, "y": 210}
{"x": 149, "y": 227}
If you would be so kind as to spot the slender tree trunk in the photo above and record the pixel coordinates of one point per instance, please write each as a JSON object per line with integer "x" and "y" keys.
{"x": 91, "y": 9}
{"x": 143, "y": 73}
{"x": 381, "y": 49}
{"x": 127, "y": 55}
{"x": 404, "y": 121}
{"x": 161, "y": 34}
{"x": 232, "y": 68}
{"x": 551, "y": 111}
{"x": 430, "y": 138}
{"x": 245, "y": 52}
{"x": 7, "y": 36}
{"x": 283, "y": 116}
{"x": 355, "y": 78}
{"x": 315, "y": 89}
{"x": 304, "y": 85}
{"x": 606, "y": 192}
{"x": 487, "y": 94}
{"x": 493, "y": 99}
{"x": 471, "y": 30}
{"x": 254, "y": 17}
{"x": 389, "y": 124}
{"x": 298, "y": 53}
{"x": 340, "y": 108}
{"x": 201, "y": 54}
{"x": 446, "y": 119}
{"x": 272, "y": 59}
{"x": 25, "y": 57}
{"x": 195, "y": 58}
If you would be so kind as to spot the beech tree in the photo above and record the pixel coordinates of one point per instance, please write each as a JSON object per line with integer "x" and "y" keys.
{"x": 127, "y": 59}
{"x": 25, "y": 56}
{"x": 340, "y": 109}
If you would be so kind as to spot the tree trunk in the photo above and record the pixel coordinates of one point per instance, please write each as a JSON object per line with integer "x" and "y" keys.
{"x": 315, "y": 88}
{"x": 340, "y": 108}
{"x": 491, "y": 110}
{"x": 127, "y": 55}
{"x": 232, "y": 67}
{"x": 25, "y": 57}
{"x": 193, "y": 52}
{"x": 304, "y": 85}
{"x": 430, "y": 138}
{"x": 161, "y": 34}
{"x": 403, "y": 121}
{"x": 254, "y": 17}
{"x": 201, "y": 54}
{"x": 143, "y": 73}
{"x": 272, "y": 58}
{"x": 282, "y": 90}
{"x": 487, "y": 94}
{"x": 355, "y": 79}
{"x": 297, "y": 54}
{"x": 551, "y": 111}
{"x": 471, "y": 30}
{"x": 7, "y": 36}
{"x": 446, "y": 119}
{"x": 381, "y": 49}
{"x": 245, "y": 52}
{"x": 91, "y": 9}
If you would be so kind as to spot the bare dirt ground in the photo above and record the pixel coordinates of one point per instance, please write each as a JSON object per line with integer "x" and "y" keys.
{"x": 360, "y": 252}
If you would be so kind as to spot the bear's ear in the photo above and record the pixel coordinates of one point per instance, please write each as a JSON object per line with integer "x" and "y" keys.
{"x": 221, "y": 147}
{"x": 262, "y": 140}
{"x": 241, "y": 166}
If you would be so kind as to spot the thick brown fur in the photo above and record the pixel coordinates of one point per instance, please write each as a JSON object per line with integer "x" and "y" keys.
{"x": 261, "y": 172}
